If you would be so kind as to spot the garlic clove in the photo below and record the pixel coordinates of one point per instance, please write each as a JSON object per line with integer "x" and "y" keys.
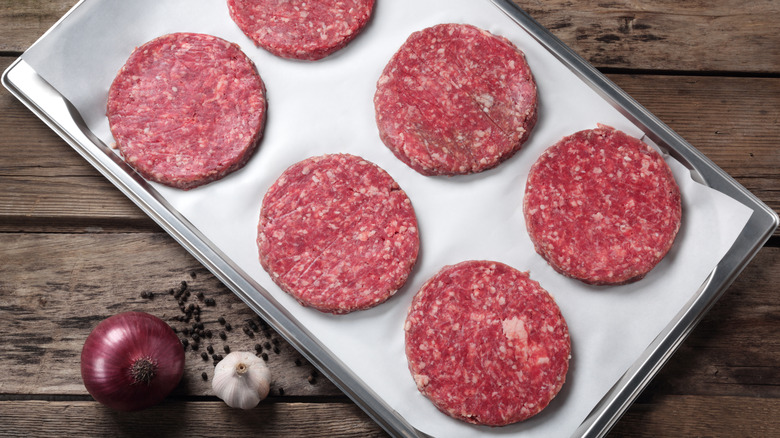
{"x": 241, "y": 380}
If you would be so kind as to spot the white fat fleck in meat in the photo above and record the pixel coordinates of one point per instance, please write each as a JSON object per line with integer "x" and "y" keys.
{"x": 514, "y": 329}
{"x": 485, "y": 99}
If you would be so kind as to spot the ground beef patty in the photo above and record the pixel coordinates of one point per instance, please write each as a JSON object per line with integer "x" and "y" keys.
{"x": 602, "y": 207}
{"x": 337, "y": 233}
{"x": 486, "y": 344}
{"x": 187, "y": 109}
{"x": 298, "y": 29}
{"x": 455, "y": 99}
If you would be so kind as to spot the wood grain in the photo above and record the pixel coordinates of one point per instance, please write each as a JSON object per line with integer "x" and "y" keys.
{"x": 718, "y": 35}
{"x": 187, "y": 419}
{"x": 695, "y": 416}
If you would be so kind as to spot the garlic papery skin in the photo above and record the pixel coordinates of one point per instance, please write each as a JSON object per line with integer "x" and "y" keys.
{"x": 241, "y": 380}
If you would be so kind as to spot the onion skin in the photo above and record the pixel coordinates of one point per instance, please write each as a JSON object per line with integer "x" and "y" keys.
{"x": 112, "y": 349}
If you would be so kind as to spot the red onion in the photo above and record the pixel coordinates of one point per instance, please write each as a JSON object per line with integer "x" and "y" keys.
{"x": 131, "y": 361}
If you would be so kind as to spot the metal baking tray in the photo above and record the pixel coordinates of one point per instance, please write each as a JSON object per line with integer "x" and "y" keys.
{"x": 60, "y": 115}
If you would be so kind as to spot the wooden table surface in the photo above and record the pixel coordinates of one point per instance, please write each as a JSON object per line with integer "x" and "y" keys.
{"x": 74, "y": 250}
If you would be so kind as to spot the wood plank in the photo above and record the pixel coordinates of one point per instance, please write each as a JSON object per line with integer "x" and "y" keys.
{"x": 671, "y": 416}
{"x": 187, "y": 419}
{"x": 719, "y": 35}
{"x": 57, "y": 287}
{"x": 689, "y": 416}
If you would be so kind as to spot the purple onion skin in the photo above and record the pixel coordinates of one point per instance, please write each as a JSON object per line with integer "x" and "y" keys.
{"x": 115, "y": 345}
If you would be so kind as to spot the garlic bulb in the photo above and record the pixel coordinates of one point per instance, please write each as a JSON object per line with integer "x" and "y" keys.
{"x": 241, "y": 380}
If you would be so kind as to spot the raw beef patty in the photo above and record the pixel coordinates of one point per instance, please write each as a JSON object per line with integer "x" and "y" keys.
{"x": 187, "y": 109}
{"x": 307, "y": 30}
{"x": 602, "y": 207}
{"x": 486, "y": 344}
{"x": 455, "y": 99}
{"x": 337, "y": 233}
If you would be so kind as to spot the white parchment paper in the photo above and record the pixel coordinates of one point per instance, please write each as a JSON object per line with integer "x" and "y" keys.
{"x": 326, "y": 107}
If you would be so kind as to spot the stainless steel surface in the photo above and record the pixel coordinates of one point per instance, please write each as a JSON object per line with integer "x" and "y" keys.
{"x": 51, "y": 107}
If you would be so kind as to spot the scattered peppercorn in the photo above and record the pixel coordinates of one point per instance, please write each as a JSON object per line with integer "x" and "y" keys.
{"x": 276, "y": 350}
{"x": 185, "y": 342}
{"x": 222, "y": 335}
{"x": 204, "y": 375}
{"x": 210, "y": 349}
{"x": 298, "y": 362}
{"x": 227, "y": 349}
{"x": 221, "y": 320}
{"x": 264, "y": 356}
{"x": 210, "y": 302}
{"x": 267, "y": 345}
{"x": 204, "y": 356}
{"x": 281, "y": 391}
{"x": 228, "y": 327}
{"x": 258, "y": 347}
{"x": 195, "y": 346}
{"x": 207, "y": 333}
{"x": 200, "y": 296}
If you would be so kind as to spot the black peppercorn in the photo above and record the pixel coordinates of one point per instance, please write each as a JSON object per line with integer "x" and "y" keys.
{"x": 227, "y": 349}
{"x": 228, "y": 327}
{"x": 222, "y": 335}
{"x": 281, "y": 391}
{"x": 204, "y": 356}
{"x": 258, "y": 347}
{"x": 277, "y": 350}
{"x": 204, "y": 375}
{"x": 221, "y": 320}
{"x": 298, "y": 362}
{"x": 264, "y": 356}
{"x": 210, "y": 349}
